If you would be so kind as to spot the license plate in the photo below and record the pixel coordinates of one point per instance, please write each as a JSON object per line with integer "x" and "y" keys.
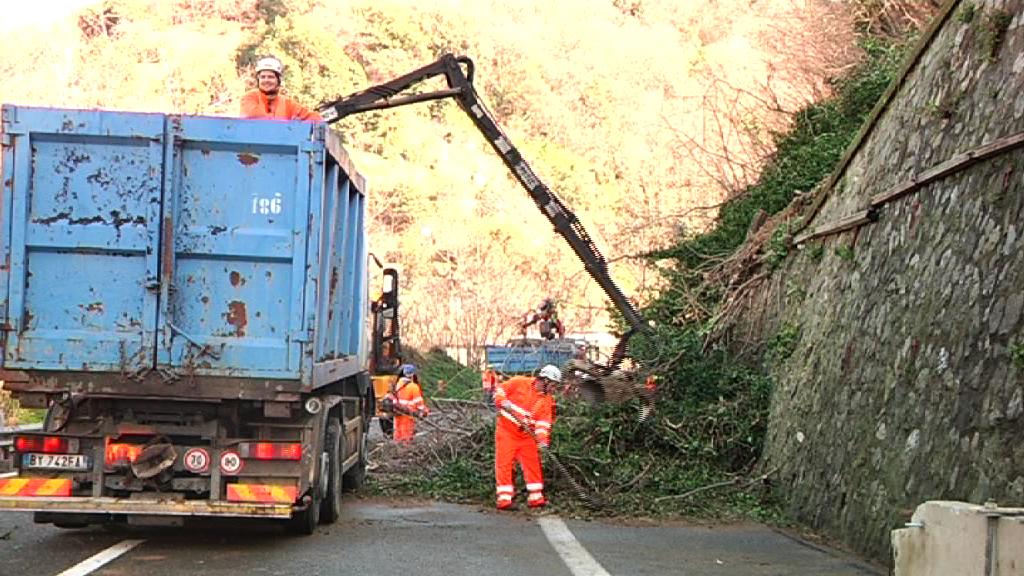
{"x": 55, "y": 461}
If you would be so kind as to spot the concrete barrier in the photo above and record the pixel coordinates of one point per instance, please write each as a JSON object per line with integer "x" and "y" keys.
{"x": 960, "y": 539}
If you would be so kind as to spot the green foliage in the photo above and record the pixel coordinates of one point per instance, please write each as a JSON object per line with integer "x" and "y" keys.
{"x": 783, "y": 344}
{"x": 817, "y": 252}
{"x": 805, "y": 156}
{"x": 993, "y": 30}
{"x": 844, "y": 252}
{"x": 966, "y": 12}
{"x": 778, "y": 247}
{"x": 12, "y": 413}
{"x": 714, "y": 408}
{"x": 461, "y": 382}
{"x": 1017, "y": 354}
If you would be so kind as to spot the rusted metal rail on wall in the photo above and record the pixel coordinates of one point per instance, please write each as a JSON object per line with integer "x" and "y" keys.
{"x": 949, "y": 167}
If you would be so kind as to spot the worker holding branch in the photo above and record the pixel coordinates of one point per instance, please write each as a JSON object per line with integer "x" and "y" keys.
{"x": 408, "y": 404}
{"x": 526, "y": 411}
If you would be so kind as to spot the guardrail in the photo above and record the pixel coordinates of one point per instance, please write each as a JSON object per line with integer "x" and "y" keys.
{"x": 7, "y": 444}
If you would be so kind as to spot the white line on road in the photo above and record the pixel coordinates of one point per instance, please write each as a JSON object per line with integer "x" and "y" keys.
{"x": 8, "y": 475}
{"x": 575, "y": 556}
{"x": 97, "y": 561}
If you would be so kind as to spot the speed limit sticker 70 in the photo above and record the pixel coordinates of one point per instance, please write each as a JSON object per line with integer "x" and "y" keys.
{"x": 197, "y": 460}
{"x": 230, "y": 463}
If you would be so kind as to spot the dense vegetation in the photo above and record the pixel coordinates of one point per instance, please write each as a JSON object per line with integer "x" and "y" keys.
{"x": 698, "y": 455}
{"x": 668, "y": 126}
{"x": 650, "y": 111}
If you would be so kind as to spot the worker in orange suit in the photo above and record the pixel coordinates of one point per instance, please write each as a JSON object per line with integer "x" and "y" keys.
{"x": 489, "y": 380}
{"x": 266, "y": 101}
{"x": 526, "y": 410}
{"x": 409, "y": 404}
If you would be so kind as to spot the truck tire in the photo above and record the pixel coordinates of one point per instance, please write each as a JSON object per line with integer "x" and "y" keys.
{"x": 355, "y": 477}
{"x": 330, "y": 508}
{"x": 305, "y": 521}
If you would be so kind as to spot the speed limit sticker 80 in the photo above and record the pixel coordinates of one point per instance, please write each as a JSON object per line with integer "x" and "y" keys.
{"x": 230, "y": 463}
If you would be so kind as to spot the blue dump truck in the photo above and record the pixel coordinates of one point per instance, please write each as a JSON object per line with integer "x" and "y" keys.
{"x": 187, "y": 297}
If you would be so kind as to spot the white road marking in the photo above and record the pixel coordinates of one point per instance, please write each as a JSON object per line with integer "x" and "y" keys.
{"x": 8, "y": 475}
{"x": 575, "y": 556}
{"x": 99, "y": 560}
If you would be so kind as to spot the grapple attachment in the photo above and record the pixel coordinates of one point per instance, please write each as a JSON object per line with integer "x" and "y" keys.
{"x": 606, "y": 384}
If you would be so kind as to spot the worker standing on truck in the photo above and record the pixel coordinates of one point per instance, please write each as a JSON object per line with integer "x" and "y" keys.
{"x": 526, "y": 411}
{"x": 408, "y": 404}
{"x": 267, "y": 102}
{"x": 547, "y": 316}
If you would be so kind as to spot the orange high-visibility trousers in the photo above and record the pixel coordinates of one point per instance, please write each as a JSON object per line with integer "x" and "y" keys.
{"x": 510, "y": 447}
{"x": 405, "y": 427}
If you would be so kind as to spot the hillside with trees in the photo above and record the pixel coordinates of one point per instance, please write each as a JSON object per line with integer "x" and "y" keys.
{"x": 674, "y": 130}
{"x": 644, "y": 116}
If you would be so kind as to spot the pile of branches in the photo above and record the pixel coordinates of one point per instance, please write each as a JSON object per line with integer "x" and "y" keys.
{"x": 660, "y": 468}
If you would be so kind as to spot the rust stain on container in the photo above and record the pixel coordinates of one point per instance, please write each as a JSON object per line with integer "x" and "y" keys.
{"x": 248, "y": 159}
{"x": 237, "y": 317}
{"x": 168, "y": 248}
{"x": 236, "y": 279}
{"x": 95, "y": 307}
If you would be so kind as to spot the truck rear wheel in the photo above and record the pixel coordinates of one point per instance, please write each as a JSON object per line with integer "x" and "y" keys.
{"x": 305, "y": 521}
{"x": 330, "y": 508}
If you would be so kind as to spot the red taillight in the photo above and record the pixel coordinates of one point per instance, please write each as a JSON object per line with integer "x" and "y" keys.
{"x": 270, "y": 451}
{"x": 47, "y": 444}
{"x": 120, "y": 454}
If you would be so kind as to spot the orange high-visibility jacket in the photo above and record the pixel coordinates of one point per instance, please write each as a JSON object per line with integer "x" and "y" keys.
{"x": 528, "y": 406}
{"x": 255, "y": 105}
{"x": 410, "y": 396}
{"x": 490, "y": 380}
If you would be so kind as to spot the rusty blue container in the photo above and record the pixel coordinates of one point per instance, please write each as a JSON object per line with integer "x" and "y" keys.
{"x": 149, "y": 253}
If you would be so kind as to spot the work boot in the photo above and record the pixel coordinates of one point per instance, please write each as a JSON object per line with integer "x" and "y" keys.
{"x": 536, "y": 500}
{"x": 509, "y": 507}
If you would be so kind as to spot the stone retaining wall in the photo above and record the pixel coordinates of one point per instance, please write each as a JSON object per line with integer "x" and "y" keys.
{"x": 903, "y": 379}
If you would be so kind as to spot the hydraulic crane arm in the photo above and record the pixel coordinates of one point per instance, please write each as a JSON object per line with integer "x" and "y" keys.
{"x": 458, "y": 72}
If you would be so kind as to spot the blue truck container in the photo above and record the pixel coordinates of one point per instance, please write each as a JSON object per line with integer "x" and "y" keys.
{"x": 185, "y": 270}
{"x": 529, "y": 355}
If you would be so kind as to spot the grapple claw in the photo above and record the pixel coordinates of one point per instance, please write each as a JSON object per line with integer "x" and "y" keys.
{"x": 600, "y": 384}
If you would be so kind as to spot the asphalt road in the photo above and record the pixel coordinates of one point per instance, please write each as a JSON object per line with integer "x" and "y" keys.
{"x": 381, "y": 537}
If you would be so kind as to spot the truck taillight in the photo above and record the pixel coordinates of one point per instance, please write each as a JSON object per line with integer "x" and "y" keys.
{"x": 46, "y": 444}
{"x": 121, "y": 454}
{"x": 270, "y": 451}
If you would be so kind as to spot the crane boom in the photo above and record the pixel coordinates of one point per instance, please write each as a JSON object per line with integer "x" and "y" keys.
{"x": 458, "y": 72}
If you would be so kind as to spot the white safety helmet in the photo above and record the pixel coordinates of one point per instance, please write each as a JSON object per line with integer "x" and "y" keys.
{"x": 270, "y": 63}
{"x": 551, "y": 373}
